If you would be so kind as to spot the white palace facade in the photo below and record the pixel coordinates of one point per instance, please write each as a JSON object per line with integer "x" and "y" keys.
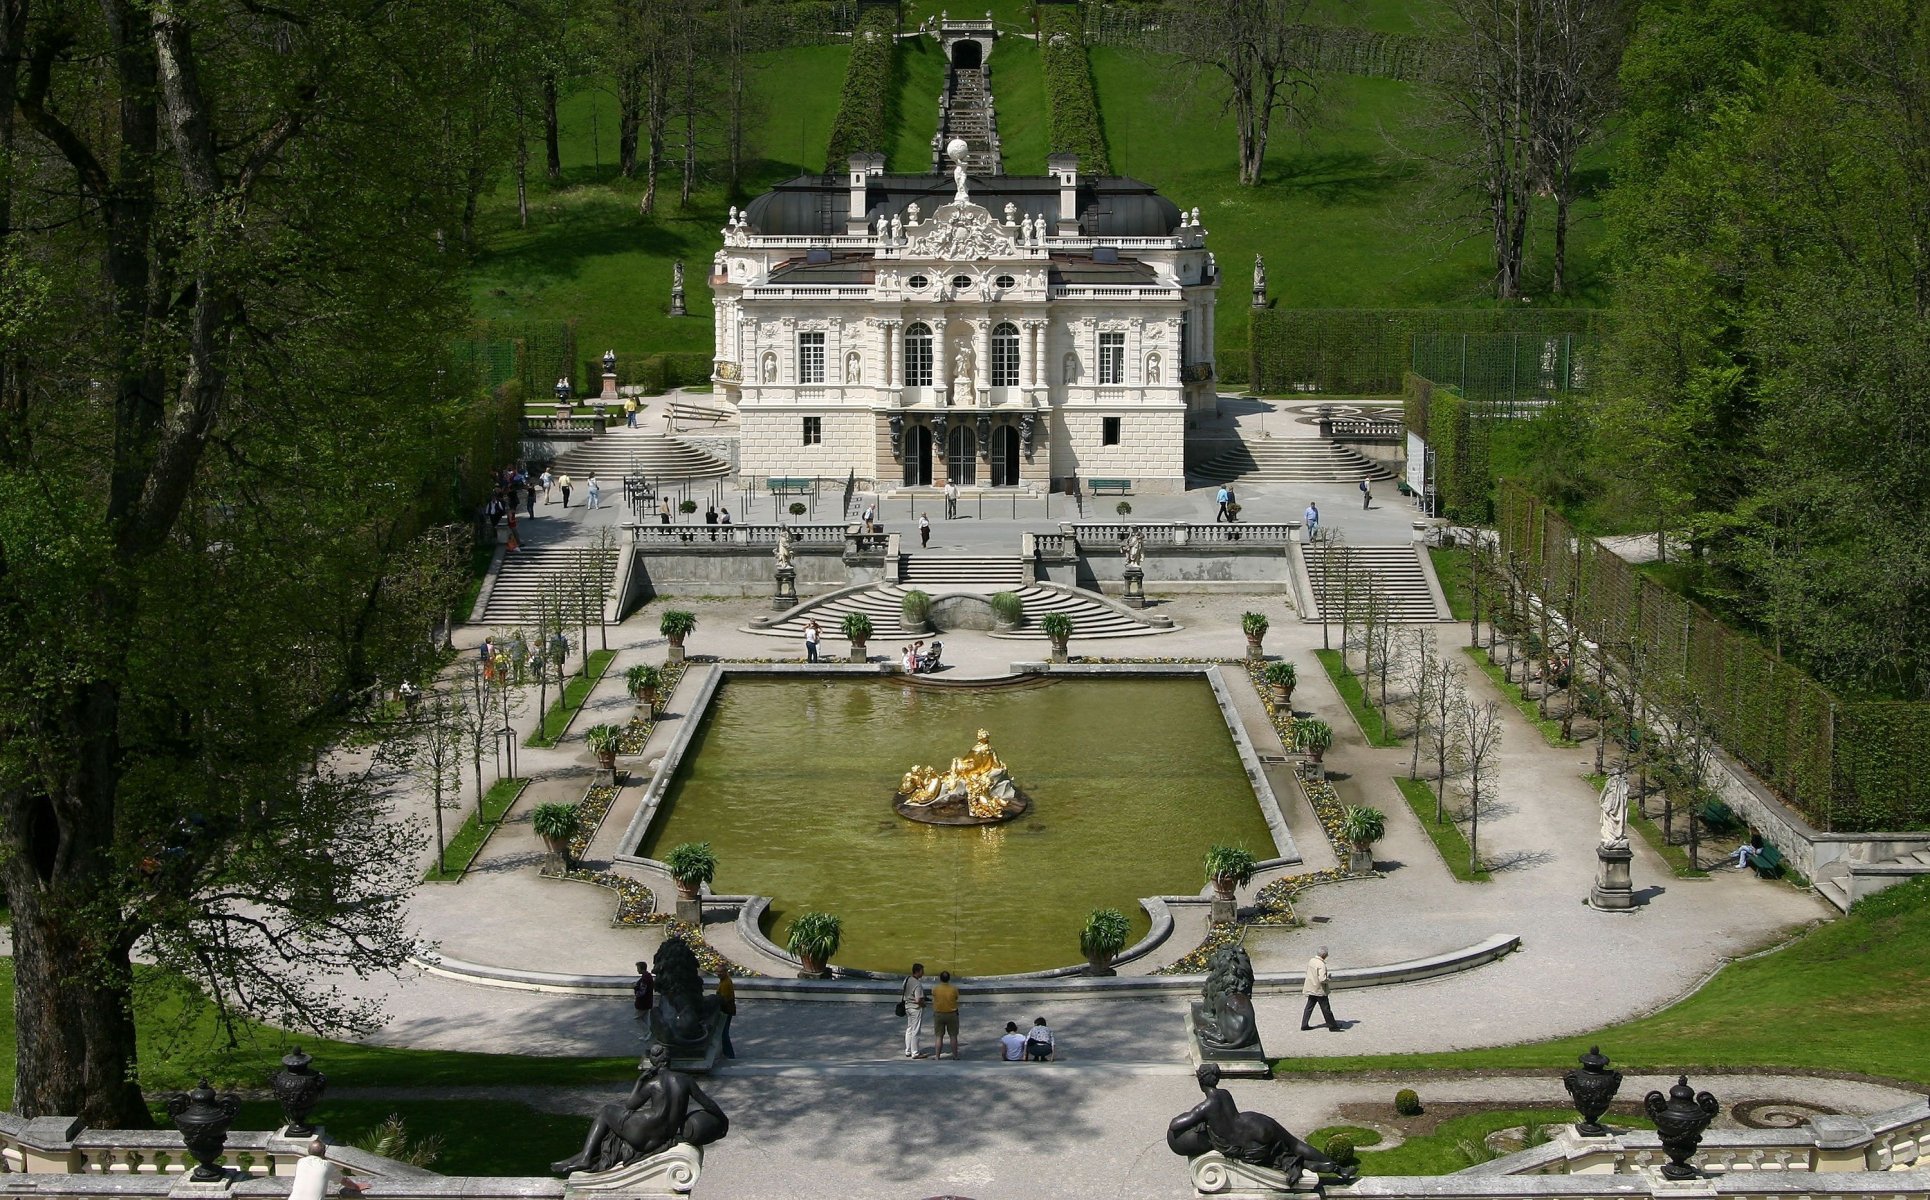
{"x": 996, "y": 331}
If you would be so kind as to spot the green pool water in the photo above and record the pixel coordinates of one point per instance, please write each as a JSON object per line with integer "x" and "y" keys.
{"x": 790, "y": 781}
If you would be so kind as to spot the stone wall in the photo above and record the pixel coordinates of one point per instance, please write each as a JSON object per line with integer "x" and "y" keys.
{"x": 1210, "y": 568}
{"x": 772, "y": 441}
{"x": 727, "y": 570}
{"x": 1152, "y": 443}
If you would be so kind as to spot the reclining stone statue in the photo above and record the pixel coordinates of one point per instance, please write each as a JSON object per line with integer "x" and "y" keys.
{"x": 663, "y": 1109}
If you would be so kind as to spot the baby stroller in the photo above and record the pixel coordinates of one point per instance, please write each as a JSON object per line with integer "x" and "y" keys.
{"x": 928, "y": 662}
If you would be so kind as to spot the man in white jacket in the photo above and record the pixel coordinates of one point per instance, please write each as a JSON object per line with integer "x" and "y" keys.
{"x": 1315, "y": 990}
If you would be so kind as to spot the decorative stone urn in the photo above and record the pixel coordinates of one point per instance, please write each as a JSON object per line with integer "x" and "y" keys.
{"x": 1592, "y": 1086}
{"x": 857, "y": 650}
{"x": 297, "y": 1090}
{"x": 1680, "y": 1118}
{"x": 1059, "y": 649}
{"x": 203, "y": 1119}
{"x": 676, "y": 647}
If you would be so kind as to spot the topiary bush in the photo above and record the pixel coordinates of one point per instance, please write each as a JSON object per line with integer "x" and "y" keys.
{"x": 1007, "y": 607}
{"x": 1407, "y": 1102}
{"x": 916, "y": 606}
{"x": 1340, "y": 1148}
{"x": 797, "y": 508}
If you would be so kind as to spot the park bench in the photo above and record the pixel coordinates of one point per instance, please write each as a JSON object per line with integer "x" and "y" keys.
{"x": 1118, "y": 487}
{"x": 791, "y": 487}
{"x": 1719, "y": 817}
{"x": 1769, "y": 861}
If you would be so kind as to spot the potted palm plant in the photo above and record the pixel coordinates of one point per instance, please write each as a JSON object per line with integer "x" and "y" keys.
{"x": 557, "y": 825}
{"x": 1058, "y": 627}
{"x": 602, "y": 741}
{"x": 1254, "y": 625}
{"x": 691, "y": 865}
{"x": 917, "y": 610}
{"x": 814, "y": 938}
{"x": 1315, "y": 736}
{"x": 1103, "y": 937}
{"x": 644, "y": 681}
{"x": 1360, "y": 828}
{"x": 677, "y": 625}
{"x": 1281, "y": 677}
{"x": 857, "y": 627}
{"x": 1007, "y": 611}
{"x": 1228, "y": 868}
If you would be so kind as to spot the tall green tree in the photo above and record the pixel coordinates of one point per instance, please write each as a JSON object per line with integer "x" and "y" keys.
{"x": 229, "y": 416}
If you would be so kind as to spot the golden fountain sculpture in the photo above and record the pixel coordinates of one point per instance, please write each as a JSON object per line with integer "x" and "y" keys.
{"x": 977, "y": 790}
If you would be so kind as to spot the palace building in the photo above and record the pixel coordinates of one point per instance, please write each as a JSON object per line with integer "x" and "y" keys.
{"x": 989, "y": 331}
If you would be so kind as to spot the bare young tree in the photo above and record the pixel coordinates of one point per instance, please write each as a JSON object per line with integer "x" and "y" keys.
{"x": 1582, "y": 44}
{"x": 1450, "y": 695}
{"x": 1263, "y": 58}
{"x": 436, "y": 758}
{"x": 1477, "y": 736}
{"x": 1421, "y": 660}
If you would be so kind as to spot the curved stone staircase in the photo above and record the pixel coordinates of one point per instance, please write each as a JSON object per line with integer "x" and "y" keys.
{"x": 1288, "y": 460}
{"x": 625, "y": 451}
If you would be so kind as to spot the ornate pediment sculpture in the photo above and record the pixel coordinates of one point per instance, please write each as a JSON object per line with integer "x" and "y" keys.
{"x": 962, "y": 233}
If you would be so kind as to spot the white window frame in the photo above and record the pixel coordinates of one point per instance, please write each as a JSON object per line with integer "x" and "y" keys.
{"x": 1112, "y": 359}
{"x": 1005, "y": 355}
{"x": 918, "y": 355}
{"x": 810, "y": 358}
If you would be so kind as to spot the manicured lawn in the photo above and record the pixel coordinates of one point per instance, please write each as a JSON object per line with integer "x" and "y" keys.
{"x": 1451, "y": 568}
{"x": 1373, "y": 724}
{"x": 1447, "y": 836}
{"x": 468, "y": 842}
{"x": 1459, "y": 1142}
{"x": 575, "y": 692}
{"x": 1550, "y": 728}
{"x": 1846, "y": 997}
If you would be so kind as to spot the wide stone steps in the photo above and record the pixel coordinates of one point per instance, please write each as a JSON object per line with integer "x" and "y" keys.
{"x": 1836, "y": 889}
{"x": 1288, "y": 460}
{"x": 1092, "y": 617}
{"x": 1397, "y": 574}
{"x": 519, "y": 583}
{"x": 960, "y": 573}
{"x": 625, "y": 451}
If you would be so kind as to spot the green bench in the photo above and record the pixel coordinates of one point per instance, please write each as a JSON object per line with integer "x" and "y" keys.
{"x": 1118, "y": 487}
{"x": 1719, "y": 817}
{"x": 1768, "y": 861}
{"x": 792, "y": 487}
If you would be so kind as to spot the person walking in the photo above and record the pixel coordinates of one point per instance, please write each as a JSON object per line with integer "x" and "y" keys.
{"x": 951, "y": 500}
{"x": 515, "y": 543}
{"x": 1366, "y": 496}
{"x": 529, "y": 498}
{"x": 727, "y": 1006}
{"x": 1223, "y": 497}
{"x": 564, "y": 485}
{"x": 944, "y": 1007}
{"x": 549, "y": 481}
{"x": 630, "y": 411}
{"x": 593, "y": 493}
{"x": 912, "y": 1001}
{"x": 924, "y": 531}
{"x": 663, "y": 510}
{"x": 1315, "y": 990}
{"x": 811, "y": 637}
{"x": 1312, "y": 517}
{"x": 870, "y": 519}
{"x": 643, "y": 992}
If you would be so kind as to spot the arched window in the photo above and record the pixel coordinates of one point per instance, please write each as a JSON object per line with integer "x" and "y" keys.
{"x": 918, "y": 355}
{"x": 1005, "y": 355}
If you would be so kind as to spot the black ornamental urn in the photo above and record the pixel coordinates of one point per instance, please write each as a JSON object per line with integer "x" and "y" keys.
{"x": 1592, "y": 1087}
{"x": 298, "y": 1090}
{"x": 203, "y": 1119}
{"x": 1680, "y": 1118}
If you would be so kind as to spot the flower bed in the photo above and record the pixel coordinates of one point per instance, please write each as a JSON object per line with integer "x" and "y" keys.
{"x": 1284, "y": 722}
{"x": 1273, "y": 906}
{"x": 636, "y": 734}
{"x": 590, "y": 811}
{"x": 637, "y": 907}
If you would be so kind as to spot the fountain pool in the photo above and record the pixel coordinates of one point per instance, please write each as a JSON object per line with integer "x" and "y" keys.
{"x": 791, "y": 782}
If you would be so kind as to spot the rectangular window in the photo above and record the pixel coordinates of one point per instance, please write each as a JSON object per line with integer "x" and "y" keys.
{"x": 810, "y": 358}
{"x": 1109, "y": 431}
{"x": 813, "y": 430}
{"x": 1005, "y": 356}
{"x": 918, "y": 356}
{"x": 1112, "y": 359}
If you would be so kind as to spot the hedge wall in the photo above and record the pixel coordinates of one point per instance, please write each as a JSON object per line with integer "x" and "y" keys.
{"x": 533, "y": 353}
{"x": 655, "y": 373}
{"x": 863, "y": 122}
{"x": 1845, "y": 765}
{"x": 1367, "y": 351}
{"x": 1459, "y": 444}
{"x": 1072, "y": 111}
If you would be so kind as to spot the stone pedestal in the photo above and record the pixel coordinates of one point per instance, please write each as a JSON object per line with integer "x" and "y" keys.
{"x": 609, "y": 394}
{"x": 1214, "y": 1174}
{"x": 1613, "y": 890}
{"x": 1248, "y": 1062}
{"x": 786, "y": 594}
{"x": 1135, "y": 587}
{"x": 676, "y": 654}
{"x": 1226, "y": 910}
{"x": 666, "y": 1175}
{"x": 677, "y": 302}
{"x": 690, "y": 912}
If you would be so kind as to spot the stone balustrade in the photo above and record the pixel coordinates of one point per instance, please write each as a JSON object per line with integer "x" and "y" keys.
{"x": 1183, "y": 533}
{"x": 646, "y": 533}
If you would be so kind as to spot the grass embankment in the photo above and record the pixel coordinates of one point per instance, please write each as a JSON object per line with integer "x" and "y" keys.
{"x": 575, "y": 692}
{"x": 462, "y": 849}
{"x": 1459, "y": 1142}
{"x": 1451, "y": 568}
{"x": 1374, "y": 725}
{"x": 1446, "y": 835}
{"x": 1848, "y": 996}
{"x": 1548, "y": 727}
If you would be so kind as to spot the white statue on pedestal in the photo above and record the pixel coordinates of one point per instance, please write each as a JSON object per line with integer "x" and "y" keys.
{"x": 956, "y": 149}
{"x": 1614, "y": 803}
{"x": 964, "y": 381}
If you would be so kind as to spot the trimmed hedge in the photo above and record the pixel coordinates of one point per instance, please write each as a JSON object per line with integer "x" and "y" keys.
{"x": 655, "y": 373}
{"x": 1072, "y": 110}
{"x": 1845, "y": 765}
{"x": 863, "y": 124}
{"x": 1366, "y": 351}
{"x": 1460, "y": 446}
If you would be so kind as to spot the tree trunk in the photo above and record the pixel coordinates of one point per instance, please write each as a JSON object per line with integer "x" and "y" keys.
{"x": 1559, "y": 285}
{"x": 552, "y": 141}
{"x": 629, "y": 119}
{"x": 522, "y": 167}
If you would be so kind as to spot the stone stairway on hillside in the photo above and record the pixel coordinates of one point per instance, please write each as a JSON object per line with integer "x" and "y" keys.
{"x": 1288, "y": 460}
{"x": 966, "y": 111}
{"x": 624, "y": 451}
{"x": 1851, "y": 881}
{"x": 960, "y": 573}
{"x": 518, "y": 588}
{"x": 1401, "y": 577}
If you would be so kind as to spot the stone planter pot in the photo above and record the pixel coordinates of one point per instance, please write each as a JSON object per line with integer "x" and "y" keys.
{"x": 1360, "y": 860}
{"x": 559, "y": 854}
{"x": 812, "y": 969}
{"x": 1223, "y": 888}
{"x": 676, "y": 647}
{"x": 607, "y": 759}
{"x": 1100, "y": 966}
{"x": 647, "y": 703}
{"x": 1314, "y": 754}
{"x": 1282, "y": 696}
{"x": 999, "y": 626}
{"x": 688, "y": 891}
{"x": 1058, "y": 651}
{"x": 857, "y": 653}
{"x": 1254, "y": 652}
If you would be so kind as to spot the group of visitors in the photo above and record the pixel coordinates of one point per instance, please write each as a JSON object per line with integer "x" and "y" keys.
{"x": 711, "y": 516}
{"x": 512, "y": 488}
{"x": 1036, "y": 1044}
{"x": 1229, "y": 507}
{"x": 914, "y": 658}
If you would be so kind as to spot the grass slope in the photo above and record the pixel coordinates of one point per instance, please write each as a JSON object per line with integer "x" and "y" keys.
{"x": 1374, "y": 725}
{"x": 1846, "y": 997}
{"x": 468, "y": 841}
{"x": 1449, "y": 841}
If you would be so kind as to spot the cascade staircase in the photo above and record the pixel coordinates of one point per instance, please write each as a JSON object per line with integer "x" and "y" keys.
{"x": 1401, "y": 575}
{"x": 624, "y": 451}
{"x": 1288, "y": 460}
{"x": 965, "y": 111}
{"x": 520, "y": 580}
{"x": 936, "y": 573}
